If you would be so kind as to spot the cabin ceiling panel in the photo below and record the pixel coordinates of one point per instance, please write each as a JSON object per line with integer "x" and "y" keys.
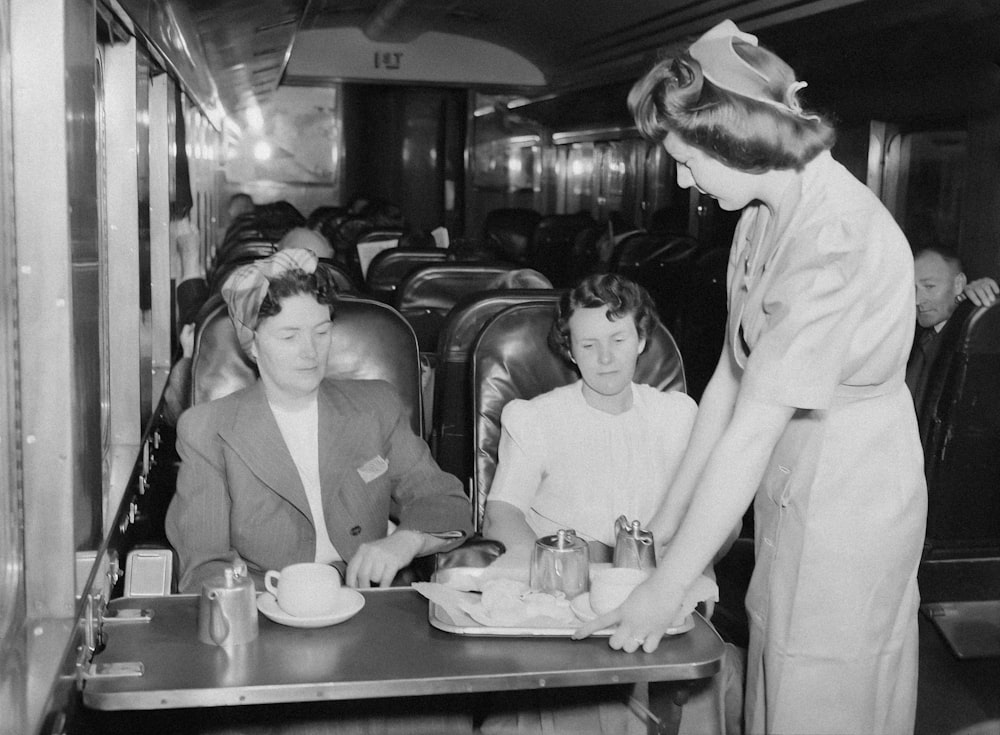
{"x": 347, "y": 54}
{"x": 247, "y": 43}
{"x": 541, "y": 46}
{"x": 572, "y": 42}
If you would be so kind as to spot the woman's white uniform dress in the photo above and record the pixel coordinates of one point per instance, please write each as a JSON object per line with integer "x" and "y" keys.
{"x": 821, "y": 316}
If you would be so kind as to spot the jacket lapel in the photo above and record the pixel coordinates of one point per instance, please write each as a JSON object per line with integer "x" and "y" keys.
{"x": 255, "y": 437}
{"x": 340, "y": 455}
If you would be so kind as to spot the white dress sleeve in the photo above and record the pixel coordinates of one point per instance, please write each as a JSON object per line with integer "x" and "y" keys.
{"x": 519, "y": 461}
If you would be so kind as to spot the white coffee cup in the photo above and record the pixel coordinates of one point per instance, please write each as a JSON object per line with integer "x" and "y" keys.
{"x": 610, "y": 586}
{"x": 306, "y": 590}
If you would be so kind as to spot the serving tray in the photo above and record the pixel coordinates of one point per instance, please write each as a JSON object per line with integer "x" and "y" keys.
{"x": 460, "y": 623}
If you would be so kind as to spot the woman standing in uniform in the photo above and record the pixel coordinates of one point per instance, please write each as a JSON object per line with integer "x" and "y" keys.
{"x": 806, "y": 413}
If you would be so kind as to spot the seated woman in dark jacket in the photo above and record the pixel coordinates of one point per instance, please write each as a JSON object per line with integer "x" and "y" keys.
{"x": 298, "y": 467}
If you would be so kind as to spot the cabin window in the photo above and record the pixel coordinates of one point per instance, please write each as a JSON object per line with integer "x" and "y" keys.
{"x": 523, "y": 168}
{"x": 922, "y": 184}
{"x": 611, "y": 181}
{"x": 579, "y": 178}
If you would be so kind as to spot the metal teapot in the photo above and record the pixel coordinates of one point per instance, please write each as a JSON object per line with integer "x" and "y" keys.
{"x": 227, "y": 611}
{"x": 561, "y": 563}
{"x": 633, "y": 545}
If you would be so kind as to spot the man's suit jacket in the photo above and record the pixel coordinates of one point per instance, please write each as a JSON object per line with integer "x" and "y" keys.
{"x": 239, "y": 493}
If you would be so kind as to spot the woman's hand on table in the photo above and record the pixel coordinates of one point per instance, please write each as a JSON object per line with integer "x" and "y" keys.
{"x": 641, "y": 621}
{"x": 377, "y": 562}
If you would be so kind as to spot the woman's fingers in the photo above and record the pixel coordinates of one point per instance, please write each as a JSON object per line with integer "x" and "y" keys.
{"x": 624, "y": 638}
{"x": 599, "y": 623}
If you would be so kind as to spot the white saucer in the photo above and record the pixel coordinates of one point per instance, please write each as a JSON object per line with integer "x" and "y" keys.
{"x": 580, "y": 605}
{"x": 351, "y": 602}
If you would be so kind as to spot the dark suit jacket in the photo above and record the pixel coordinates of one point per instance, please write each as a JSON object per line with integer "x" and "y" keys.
{"x": 238, "y": 491}
{"x": 927, "y": 384}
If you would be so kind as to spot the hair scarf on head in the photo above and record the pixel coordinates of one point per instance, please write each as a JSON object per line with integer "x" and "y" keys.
{"x": 726, "y": 69}
{"x": 246, "y": 287}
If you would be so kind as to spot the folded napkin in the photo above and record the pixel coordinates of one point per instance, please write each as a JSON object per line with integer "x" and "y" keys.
{"x": 503, "y": 603}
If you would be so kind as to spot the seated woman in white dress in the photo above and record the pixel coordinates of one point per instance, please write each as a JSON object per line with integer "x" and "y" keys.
{"x": 583, "y": 454}
{"x": 579, "y": 457}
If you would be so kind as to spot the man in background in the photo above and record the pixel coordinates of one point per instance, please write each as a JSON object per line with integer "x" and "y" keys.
{"x": 943, "y": 296}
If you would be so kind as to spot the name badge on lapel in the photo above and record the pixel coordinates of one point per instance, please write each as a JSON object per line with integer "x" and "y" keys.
{"x": 373, "y": 468}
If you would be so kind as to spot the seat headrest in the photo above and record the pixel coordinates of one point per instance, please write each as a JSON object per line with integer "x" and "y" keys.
{"x": 370, "y": 341}
{"x": 981, "y": 332}
{"x": 471, "y": 312}
{"x": 389, "y": 267}
{"x": 439, "y": 286}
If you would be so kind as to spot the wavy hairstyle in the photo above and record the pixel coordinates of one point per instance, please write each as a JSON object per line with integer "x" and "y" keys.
{"x": 741, "y": 132}
{"x": 621, "y": 296}
{"x": 319, "y": 285}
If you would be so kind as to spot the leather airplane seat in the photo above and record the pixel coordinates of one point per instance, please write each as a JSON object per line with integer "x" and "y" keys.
{"x": 962, "y": 463}
{"x": 951, "y": 343}
{"x": 428, "y": 293}
{"x": 388, "y": 269}
{"x": 512, "y": 359}
{"x": 451, "y": 437}
{"x": 370, "y": 341}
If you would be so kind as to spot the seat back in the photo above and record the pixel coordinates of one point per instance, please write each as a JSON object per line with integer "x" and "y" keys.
{"x": 370, "y": 342}
{"x": 512, "y": 359}
{"x": 451, "y": 436}
{"x": 928, "y": 393}
{"x": 508, "y": 232}
{"x": 390, "y": 267}
{"x": 962, "y": 463}
{"x": 428, "y": 293}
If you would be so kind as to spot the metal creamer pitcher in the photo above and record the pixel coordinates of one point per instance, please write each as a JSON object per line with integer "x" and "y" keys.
{"x": 561, "y": 563}
{"x": 633, "y": 545}
{"x": 227, "y": 610}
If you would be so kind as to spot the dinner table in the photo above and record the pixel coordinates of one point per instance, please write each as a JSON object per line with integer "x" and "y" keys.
{"x": 152, "y": 659}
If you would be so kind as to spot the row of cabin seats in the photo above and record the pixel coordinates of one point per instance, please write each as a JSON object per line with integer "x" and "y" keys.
{"x": 424, "y": 285}
{"x": 493, "y": 348}
{"x": 434, "y": 293}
